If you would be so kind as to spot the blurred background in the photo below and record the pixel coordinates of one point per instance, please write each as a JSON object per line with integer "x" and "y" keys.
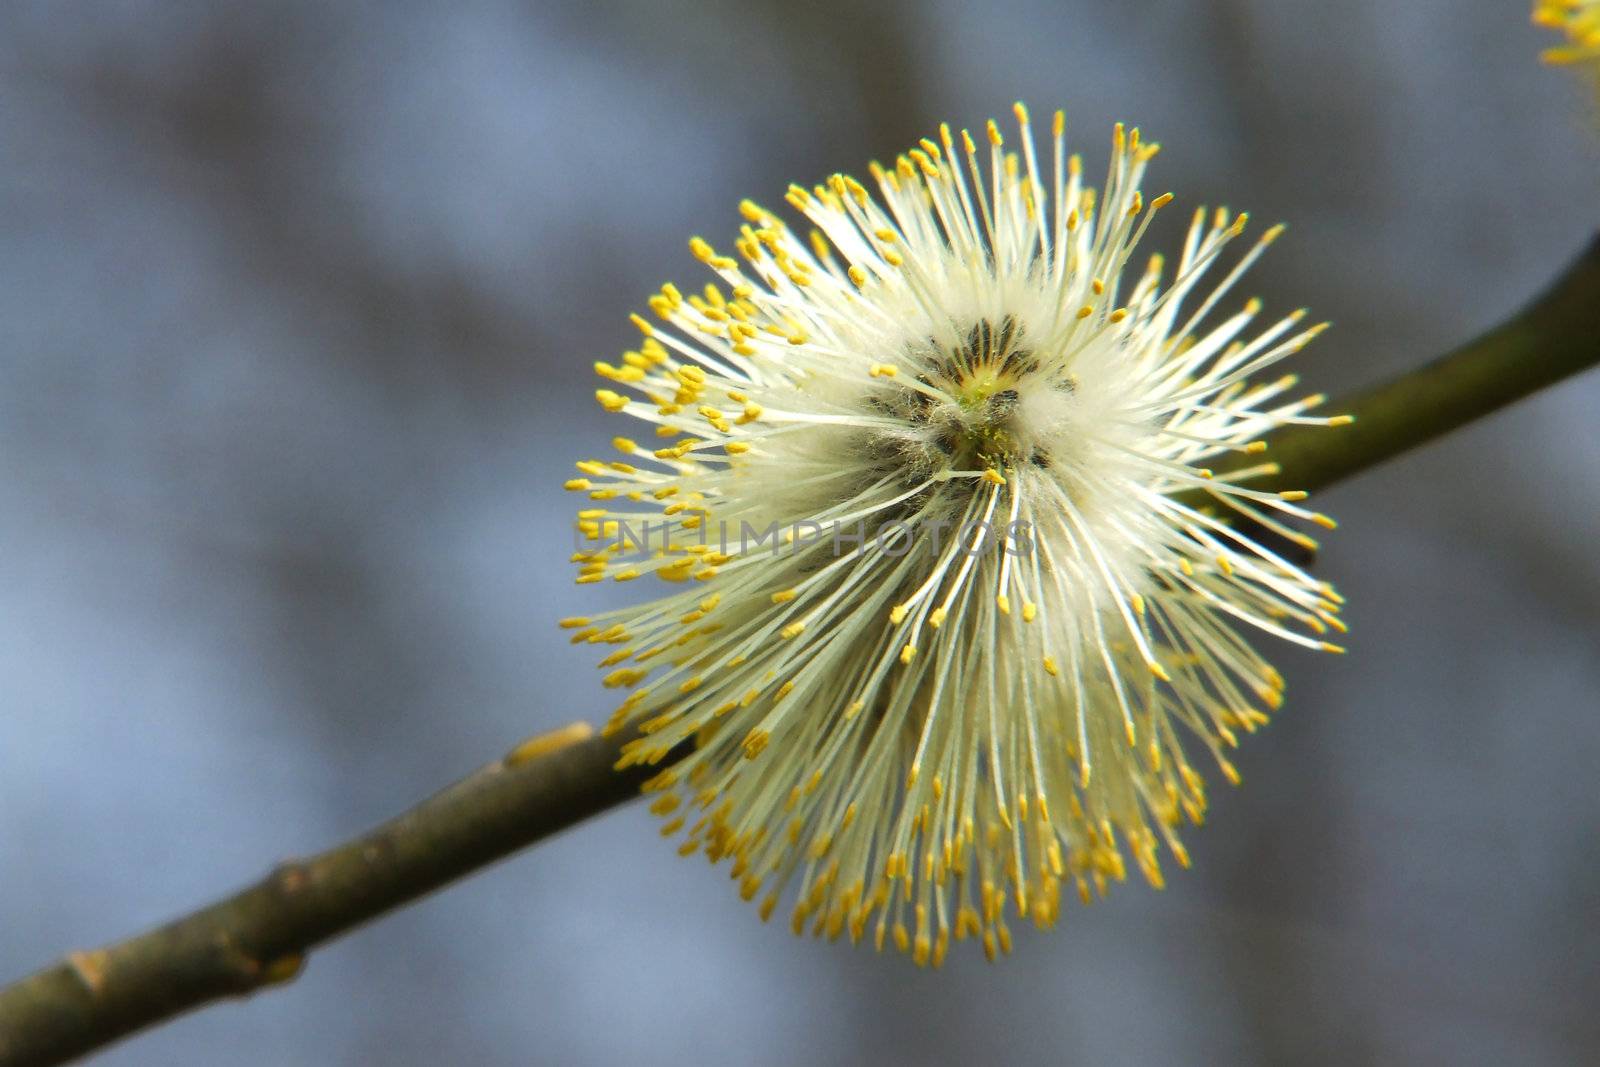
{"x": 297, "y": 308}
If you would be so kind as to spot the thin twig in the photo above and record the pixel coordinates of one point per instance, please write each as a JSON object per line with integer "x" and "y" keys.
{"x": 1553, "y": 338}
{"x": 260, "y": 936}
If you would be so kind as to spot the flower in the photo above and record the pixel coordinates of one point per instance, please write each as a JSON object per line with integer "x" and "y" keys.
{"x": 960, "y": 589}
{"x": 1579, "y": 20}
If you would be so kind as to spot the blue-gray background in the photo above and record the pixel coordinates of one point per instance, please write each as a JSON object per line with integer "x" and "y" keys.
{"x": 297, "y": 305}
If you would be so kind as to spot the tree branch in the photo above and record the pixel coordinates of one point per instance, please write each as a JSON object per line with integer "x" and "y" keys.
{"x": 1553, "y": 338}
{"x": 259, "y": 936}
